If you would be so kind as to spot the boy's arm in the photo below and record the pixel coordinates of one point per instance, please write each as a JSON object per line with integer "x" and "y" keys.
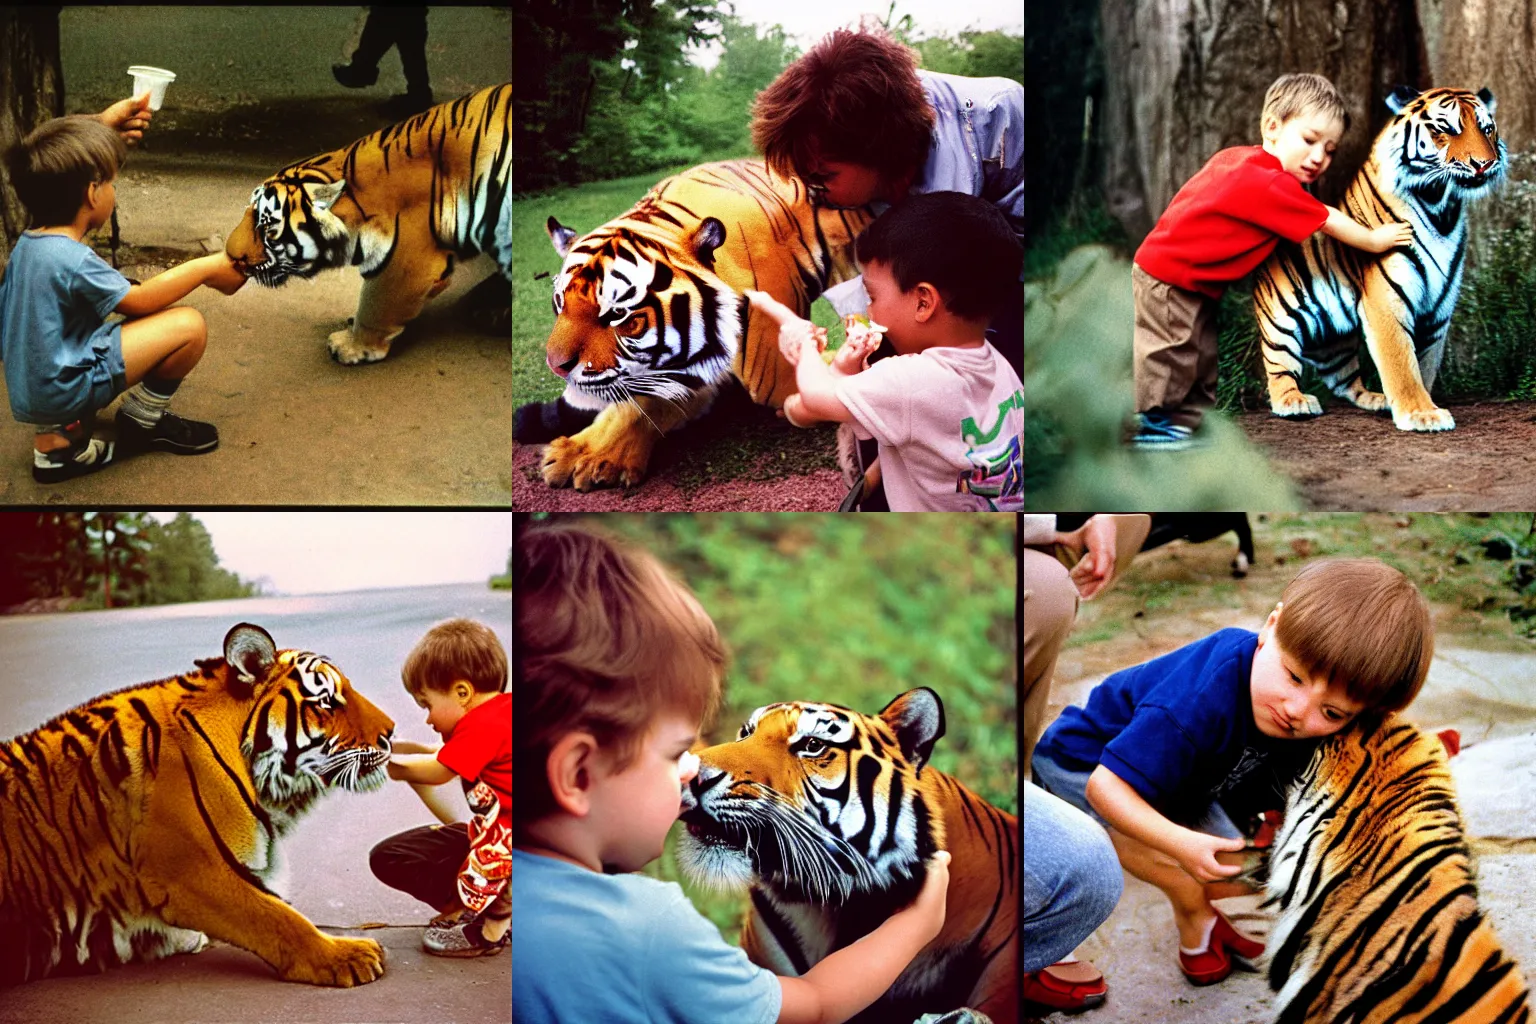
{"x": 412, "y": 747}
{"x": 175, "y": 284}
{"x": 855, "y": 976}
{"x": 798, "y": 343}
{"x": 422, "y": 768}
{"x": 1352, "y": 233}
{"x": 1130, "y": 814}
{"x": 432, "y": 796}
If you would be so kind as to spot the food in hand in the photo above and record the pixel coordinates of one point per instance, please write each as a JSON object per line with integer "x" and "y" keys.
{"x": 857, "y": 327}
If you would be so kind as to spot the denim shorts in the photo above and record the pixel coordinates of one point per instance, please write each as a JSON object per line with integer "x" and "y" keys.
{"x": 1071, "y": 785}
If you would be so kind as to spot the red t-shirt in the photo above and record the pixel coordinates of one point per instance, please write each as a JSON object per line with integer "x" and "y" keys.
{"x": 1226, "y": 220}
{"x": 480, "y": 748}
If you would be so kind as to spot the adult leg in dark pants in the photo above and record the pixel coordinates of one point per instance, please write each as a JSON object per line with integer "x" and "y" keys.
{"x": 424, "y": 862}
{"x": 404, "y": 28}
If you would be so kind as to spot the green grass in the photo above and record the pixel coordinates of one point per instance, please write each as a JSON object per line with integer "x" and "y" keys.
{"x": 737, "y": 441}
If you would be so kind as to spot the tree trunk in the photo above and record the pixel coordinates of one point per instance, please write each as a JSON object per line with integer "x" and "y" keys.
{"x": 1185, "y": 78}
{"x": 1491, "y": 43}
{"x": 31, "y": 92}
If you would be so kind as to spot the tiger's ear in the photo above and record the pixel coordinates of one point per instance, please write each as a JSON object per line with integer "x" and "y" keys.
{"x": 323, "y": 197}
{"x": 250, "y": 652}
{"x": 561, "y": 235}
{"x": 708, "y": 237}
{"x": 1486, "y": 95}
{"x": 1400, "y": 97}
{"x": 917, "y": 719}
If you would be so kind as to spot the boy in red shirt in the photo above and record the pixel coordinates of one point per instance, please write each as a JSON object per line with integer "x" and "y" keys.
{"x": 458, "y": 673}
{"x": 1223, "y": 223}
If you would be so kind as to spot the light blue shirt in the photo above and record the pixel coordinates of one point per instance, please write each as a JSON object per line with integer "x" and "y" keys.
{"x": 978, "y": 141}
{"x": 624, "y": 949}
{"x": 62, "y": 359}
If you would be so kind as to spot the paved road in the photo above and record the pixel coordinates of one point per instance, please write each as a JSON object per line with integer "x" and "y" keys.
{"x": 50, "y": 663}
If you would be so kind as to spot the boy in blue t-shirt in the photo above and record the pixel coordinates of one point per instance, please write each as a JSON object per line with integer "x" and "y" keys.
{"x": 63, "y": 360}
{"x": 1166, "y": 754}
{"x": 615, "y": 665}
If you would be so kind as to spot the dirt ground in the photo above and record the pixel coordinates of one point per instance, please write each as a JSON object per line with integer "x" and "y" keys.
{"x": 1348, "y": 459}
{"x": 429, "y": 425}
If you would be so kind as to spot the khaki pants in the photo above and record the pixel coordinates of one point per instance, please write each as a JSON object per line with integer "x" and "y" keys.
{"x": 1175, "y": 353}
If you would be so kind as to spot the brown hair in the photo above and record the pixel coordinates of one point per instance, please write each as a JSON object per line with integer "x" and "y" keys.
{"x": 1361, "y": 622}
{"x": 52, "y": 168}
{"x": 453, "y": 650}
{"x": 1292, "y": 95}
{"x": 605, "y": 639}
{"x": 854, "y": 98}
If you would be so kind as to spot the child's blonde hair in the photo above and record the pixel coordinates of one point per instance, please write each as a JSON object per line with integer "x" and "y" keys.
{"x": 605, "y": 640}
{"x": 52, "y": 167}
{"x": 452, "y": 650}
{"x": 1292, "y": 95}
{"x": 1359, "y": 622}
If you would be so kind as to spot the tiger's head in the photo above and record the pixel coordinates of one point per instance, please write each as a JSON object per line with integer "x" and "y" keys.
{"x": 290, "y": 229}
{"x": 818, "y": 802}
{"x": 1442, "y": 137}
{"x": 641, "y": 310}
{"x": 307, "y": 730}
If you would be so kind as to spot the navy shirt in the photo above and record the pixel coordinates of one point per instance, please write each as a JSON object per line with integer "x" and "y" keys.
{"x": 1179, "y": 730}
{"x": 62, "y": 359}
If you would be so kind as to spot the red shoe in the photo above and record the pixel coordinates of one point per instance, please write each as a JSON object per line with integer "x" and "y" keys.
{"x": 1206, "y": 968}
{"x": 1235, "y": 942}
{"x": 1070, "y": 987}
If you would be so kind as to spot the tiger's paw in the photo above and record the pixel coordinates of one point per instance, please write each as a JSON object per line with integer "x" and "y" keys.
{"x": 1296, "y": 405}
{"x": 346, "y": 963}
{"x": 1425, "y": 420}
{"x": 568, "y": 460}
{"x": 1370, "y": 401}
{"x": 348, "y": 351}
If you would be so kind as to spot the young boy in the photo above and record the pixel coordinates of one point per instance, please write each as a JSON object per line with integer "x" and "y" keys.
{"x": 1172, "y": 756}
{"x": 457, "y": 672}
{"x": 617, "y": 667}
{"x": 1223, "y": 223}
{"x": 63, "y": 361}
{"x": 947, "y": 410}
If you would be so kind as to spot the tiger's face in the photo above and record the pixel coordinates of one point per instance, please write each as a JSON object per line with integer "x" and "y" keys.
{"x": 638, "y": 316}
{"x": 309, "y": 730}
{"x": 289, "y": 230}
{"x": 1442, "y": 136}
{"x": 817, "y": 801}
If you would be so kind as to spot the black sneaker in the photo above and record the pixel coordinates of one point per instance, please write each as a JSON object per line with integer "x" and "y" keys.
{"x": 354, "y": 77}
{"x": 171, "y": 434}
{"x": 57, "y": 466}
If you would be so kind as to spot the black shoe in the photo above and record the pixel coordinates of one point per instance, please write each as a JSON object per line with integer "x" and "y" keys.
{"x": 407, "y": 104}
{"x": 171, "y": 434}
{"x": 62, "y": 466}
{"x": 354, "y": 77}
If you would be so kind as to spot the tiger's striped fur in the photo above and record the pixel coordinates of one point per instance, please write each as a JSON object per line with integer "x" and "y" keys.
{"x": 1440, "y": 151}
{"x": 651, "y": 316}
{"x": 141, "y": 823}
{"x": 1378, "y": 914}
{"x": 828, "y": 816}
{"x": 400, "y": 205}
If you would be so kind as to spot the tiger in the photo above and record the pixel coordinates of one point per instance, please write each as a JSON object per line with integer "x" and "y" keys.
{"x": 827, "y": 816}
{"x": 651, "y": 316}
{"x": 400, "y": 205}
{"x": 1440, "y": 151}
{"x": 143, "y": 822}
{"x": 1376, "y": 891}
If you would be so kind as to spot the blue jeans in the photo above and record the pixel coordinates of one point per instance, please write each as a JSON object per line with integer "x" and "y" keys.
{"x": 1071, "y": 785}
{"x": 1072, "y": 879}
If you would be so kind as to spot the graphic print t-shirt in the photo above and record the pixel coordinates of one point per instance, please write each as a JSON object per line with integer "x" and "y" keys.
{"x": 949, "y": 422}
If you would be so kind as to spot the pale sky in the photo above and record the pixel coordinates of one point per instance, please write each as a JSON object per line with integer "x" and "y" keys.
{"x": 319, "y": 552}
{"x": 806, "y": 21}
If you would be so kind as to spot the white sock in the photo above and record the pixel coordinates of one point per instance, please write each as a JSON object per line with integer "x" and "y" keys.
{"x": 143, "y": 406}
{"x": 1205, "y": 944}
{"x": 94, "y": 450}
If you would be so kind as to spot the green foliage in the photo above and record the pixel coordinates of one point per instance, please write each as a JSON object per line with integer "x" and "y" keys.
{"x": 182, "y": 565}
{"x": 1066, "y": 77}
{"x": 504, "y": 581}
{"x": 1492, "y": 348}
{"x": 1077, "y": 378}
{"x": 1083, "y": 221}
{"x": 855, "y": 610}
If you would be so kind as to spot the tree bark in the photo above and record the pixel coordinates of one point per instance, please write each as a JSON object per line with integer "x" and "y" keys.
{"x": 1185, "y": 78}
{"x": 31, "y": 92}
{"x": 1491, "y": 43}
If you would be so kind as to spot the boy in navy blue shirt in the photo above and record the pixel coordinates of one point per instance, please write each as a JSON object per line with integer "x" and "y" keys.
{"x": 1162, "y": 753}
{"x": 63, "y": 360}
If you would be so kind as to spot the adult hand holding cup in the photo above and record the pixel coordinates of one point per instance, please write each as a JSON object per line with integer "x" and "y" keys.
{"x": 153, "y": 80}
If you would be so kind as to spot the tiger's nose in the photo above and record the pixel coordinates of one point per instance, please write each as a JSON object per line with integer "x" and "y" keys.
{"x": 562, "y": 369}
{"x": 1481, "y": 167}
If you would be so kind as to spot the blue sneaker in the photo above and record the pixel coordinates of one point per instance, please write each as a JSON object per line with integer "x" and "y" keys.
{"x": 1156, "y": 432}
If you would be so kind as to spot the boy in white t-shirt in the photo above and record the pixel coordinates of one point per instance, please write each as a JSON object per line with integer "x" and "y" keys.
{"x": 947, "y": 410}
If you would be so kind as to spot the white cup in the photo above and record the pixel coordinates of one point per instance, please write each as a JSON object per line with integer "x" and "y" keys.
{"x": 153, "y": 79}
